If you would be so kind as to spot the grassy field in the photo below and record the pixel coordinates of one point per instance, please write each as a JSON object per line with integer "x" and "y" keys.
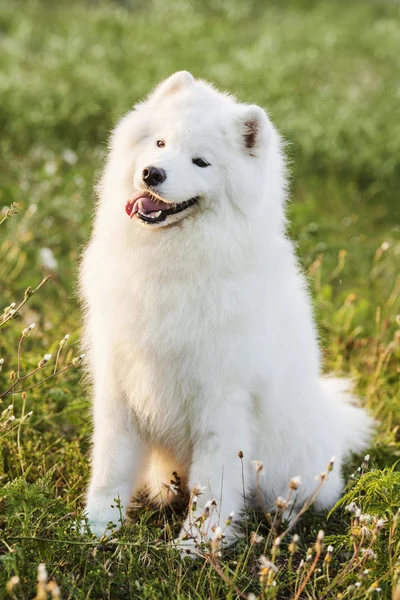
{"x": 328, "y": 74}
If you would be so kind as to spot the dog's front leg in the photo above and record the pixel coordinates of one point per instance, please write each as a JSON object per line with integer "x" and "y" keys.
{"x": 217, "y": 470}
{"x": 117, "y": 459}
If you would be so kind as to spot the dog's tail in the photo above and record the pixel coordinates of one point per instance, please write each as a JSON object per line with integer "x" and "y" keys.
{"x": 358, "y": 425}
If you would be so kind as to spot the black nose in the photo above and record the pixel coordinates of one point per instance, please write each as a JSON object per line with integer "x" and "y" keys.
{"x": 154, "y": 175}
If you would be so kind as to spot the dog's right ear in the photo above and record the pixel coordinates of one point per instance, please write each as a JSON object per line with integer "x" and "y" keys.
{"x": 175, "y": 83}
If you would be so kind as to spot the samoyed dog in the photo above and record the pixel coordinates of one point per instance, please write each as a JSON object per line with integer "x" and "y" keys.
{"x": 199, "y": 326}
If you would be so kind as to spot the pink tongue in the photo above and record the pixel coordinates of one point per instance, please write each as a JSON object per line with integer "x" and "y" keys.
{"x": 147, "y": 204}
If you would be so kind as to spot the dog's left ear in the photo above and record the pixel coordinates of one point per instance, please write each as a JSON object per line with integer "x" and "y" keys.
{"x": 253, "y": 126}
{"x": 176, "y": 82}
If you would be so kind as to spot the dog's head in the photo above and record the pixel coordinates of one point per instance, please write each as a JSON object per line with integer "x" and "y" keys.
{"x": 188, "y": 149}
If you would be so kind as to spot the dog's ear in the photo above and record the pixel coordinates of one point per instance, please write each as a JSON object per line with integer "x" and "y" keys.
{"x": 176, "y": 82}
{"x": 253, "y": 126}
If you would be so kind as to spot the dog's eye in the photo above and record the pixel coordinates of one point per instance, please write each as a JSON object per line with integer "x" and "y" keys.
{"x": 200, "y": 162}
{"x": 161, "y": 143}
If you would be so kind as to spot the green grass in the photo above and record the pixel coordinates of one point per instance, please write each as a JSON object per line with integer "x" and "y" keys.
{"x": 328, "y": 74}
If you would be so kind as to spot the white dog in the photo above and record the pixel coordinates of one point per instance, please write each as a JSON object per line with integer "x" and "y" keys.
{"x": 199, "y": 325}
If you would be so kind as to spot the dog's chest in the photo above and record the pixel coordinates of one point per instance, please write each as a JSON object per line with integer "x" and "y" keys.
{"x": 176, "y": 335}
{"x": 174, "y": 341}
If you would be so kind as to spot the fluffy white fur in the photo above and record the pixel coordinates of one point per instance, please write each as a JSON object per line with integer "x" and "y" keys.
{"x": 200, "y": 329}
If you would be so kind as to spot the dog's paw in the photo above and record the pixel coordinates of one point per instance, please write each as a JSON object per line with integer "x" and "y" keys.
{"x": 101, "y": 529}
{"x": 103, "y": 516}
{"x": 86, "y": 526}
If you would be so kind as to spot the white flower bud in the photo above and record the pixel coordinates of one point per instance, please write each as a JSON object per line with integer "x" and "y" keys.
{"x": 42, "y": 573}
{"x": 295, "y": 483}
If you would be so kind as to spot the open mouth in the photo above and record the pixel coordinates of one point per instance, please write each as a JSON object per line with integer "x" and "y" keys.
{"x": 151, "y": 209}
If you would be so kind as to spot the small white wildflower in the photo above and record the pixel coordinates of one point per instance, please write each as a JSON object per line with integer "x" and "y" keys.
{"x": 42, "y": 573}
{"x": 296, "y": 538}
{"x": 277, "y": 541}
{"x": 28, "y": 329}
{"x": 198, "y": 489}
{"x": 77, "y": 361}
{"x": 366, "y": 457}
{"x": 357, "y": 584}
{"x": 368, "y": 553}
{"x": 218, "y": 533}
{"x": 255, "y": 538}
{"x": 281, "y": 502}
{"x": 209, "y": 506}
{"x": 366, "y": 572}
{"x": 352, "y": 507}
{"x": 47, "y": 259}
{"x": 358, "y": 513}
{"x": 10, "y": 407}
{"x": 267, "y": 564}
{"x": 171, "y": 487}
{"x": 44, "y": 361}
{"x": 295, "y": 482}
{"x": 330, "y": 549}
{"x": 258, "y": 465}
{"x": 366, "y": 519}
{"x": 301, "y": 565}
{"x": 228, "y": 521}
{"x": 64, "y": 340}
{"x": 70, "y": 157}
{"x": 50, "y": 168}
